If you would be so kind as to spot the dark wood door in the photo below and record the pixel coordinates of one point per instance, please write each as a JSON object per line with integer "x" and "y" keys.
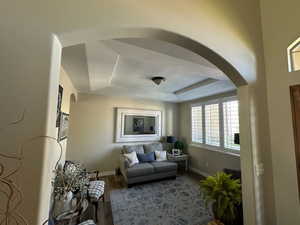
{"x": 295, "y": 102}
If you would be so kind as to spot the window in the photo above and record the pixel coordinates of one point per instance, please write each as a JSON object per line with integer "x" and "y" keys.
{"x": 215, "y": 124}
{"x": 197, "y": 124}
{"x": 212, "y": 129}
{"x": 231, "y": 123}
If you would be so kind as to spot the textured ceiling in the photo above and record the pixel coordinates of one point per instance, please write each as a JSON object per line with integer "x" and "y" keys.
{"x": 124, "y": 68}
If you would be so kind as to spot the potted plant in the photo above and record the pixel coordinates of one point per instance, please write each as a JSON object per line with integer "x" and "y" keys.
{"x": 224, "y": 193}
{"x": 69, "y": 180}
{"x": 179, "y": 145}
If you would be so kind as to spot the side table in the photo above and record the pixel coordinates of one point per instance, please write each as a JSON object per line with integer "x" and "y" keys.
{"x": 180, "y": 158}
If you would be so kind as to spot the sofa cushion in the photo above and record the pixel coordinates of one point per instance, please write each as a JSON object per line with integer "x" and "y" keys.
{"x": 164, "y": 166}
{"x": 133, "y": 148}
{"x": 140, "y": 169}
{"x": 161, "y": 155}
{"x": 148, "y": 157}
{"x": 153, "y": 147}
{"x": 132, "y": 158}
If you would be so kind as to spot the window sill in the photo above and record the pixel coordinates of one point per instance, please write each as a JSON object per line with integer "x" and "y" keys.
{"x": 214, "y": 149}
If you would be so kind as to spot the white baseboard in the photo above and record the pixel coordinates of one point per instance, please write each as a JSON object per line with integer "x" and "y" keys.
{"x": 199, "y": 172}
{"x": 107, "y": 173}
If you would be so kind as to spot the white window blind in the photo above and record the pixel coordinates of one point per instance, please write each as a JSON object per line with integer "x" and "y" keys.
{"x": 212, "y": 125}
{"x": 231, "y": 123}
{"x": 197, "y": 126}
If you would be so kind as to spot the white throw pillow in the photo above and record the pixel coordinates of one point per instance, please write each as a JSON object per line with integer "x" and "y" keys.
{"x": 132, "y": 158}
{"x": 161, "y": 155}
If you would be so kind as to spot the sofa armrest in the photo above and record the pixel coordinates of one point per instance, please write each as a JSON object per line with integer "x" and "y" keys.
{"x": 124, "y": 164}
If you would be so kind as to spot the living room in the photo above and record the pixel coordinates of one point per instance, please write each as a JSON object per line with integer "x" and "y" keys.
{"x": 96, "y": 134}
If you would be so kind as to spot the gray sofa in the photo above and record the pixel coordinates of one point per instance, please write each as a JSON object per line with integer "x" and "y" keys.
{"x": 146, "y": 171}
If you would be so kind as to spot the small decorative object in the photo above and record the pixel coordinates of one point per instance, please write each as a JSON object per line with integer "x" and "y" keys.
{"x": 176, "y": 152}
{"x": 59, "y": 101}
{"x": 64, "y": 126}
{"x": 157, "y": 80}
{"x": 237, "y": 138}
{"x": 225, "y": 195}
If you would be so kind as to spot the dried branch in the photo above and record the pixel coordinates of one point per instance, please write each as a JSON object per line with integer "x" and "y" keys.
{"x": 13, "y": 193}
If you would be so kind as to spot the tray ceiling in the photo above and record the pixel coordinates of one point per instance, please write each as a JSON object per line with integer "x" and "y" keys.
{"x": 124, "y": 67}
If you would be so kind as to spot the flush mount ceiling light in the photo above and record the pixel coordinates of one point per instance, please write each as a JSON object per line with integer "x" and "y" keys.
{"x": 158, "y": 80}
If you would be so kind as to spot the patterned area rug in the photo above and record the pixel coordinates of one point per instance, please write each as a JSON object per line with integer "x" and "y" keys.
{"x": 168, "y": 202}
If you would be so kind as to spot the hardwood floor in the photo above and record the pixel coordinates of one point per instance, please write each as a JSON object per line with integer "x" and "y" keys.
{"x": 104, "y": 212}
{"x": 117, "y": 182}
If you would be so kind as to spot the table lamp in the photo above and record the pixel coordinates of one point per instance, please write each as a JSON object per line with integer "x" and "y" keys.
{"x": 171, "y": 140}
{"x": 237, "y": 138}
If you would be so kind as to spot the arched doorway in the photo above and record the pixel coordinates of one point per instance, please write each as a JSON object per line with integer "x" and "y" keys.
{"x": 250, "y": 205}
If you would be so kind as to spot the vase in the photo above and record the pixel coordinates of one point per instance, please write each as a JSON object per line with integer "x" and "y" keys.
{"x": 63, "y": 204}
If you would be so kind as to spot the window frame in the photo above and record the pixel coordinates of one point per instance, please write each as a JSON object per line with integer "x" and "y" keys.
{"x": 203, "y": 133}
{"x": 220, "y": 148}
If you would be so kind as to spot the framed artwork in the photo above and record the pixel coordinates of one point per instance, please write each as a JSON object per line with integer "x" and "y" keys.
{"x": 135, "y": 125}
{"x": 138, "y": 124}
{"x": 59, "y": 101}
{"x": 64, "y": 126}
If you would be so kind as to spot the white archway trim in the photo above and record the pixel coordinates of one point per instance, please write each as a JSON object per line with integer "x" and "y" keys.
{"x": 293, "y": 52}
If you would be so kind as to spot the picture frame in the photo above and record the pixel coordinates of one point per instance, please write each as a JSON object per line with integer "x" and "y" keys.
{"x": 64, "y": 126}
{"x": 176, "y": 152}
{"x": 140, "y": 131}
{"x": 59, "y": 102}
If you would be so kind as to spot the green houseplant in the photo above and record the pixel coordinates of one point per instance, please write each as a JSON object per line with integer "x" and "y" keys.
{"x": 179, "y": 145}
{"x": 225, "y": 195}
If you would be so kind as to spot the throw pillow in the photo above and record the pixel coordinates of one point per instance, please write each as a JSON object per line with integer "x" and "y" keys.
{"x": 161, "y": 155}
{"x": 132, "y": 158}
{"x": 148, "y": 157}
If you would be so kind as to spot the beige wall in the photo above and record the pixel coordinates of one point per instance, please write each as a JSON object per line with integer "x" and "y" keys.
{"x": 92, "y": 128}
{"x": 296, "y": 60}
{"x": 280, "y": 21}
{"x": 69, "y": 97}
{"x": 204, "y": 160}
{"x": 69, "y": 93}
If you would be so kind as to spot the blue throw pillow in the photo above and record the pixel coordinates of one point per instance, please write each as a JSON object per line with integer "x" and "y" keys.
{"x": 148, "y": 157}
